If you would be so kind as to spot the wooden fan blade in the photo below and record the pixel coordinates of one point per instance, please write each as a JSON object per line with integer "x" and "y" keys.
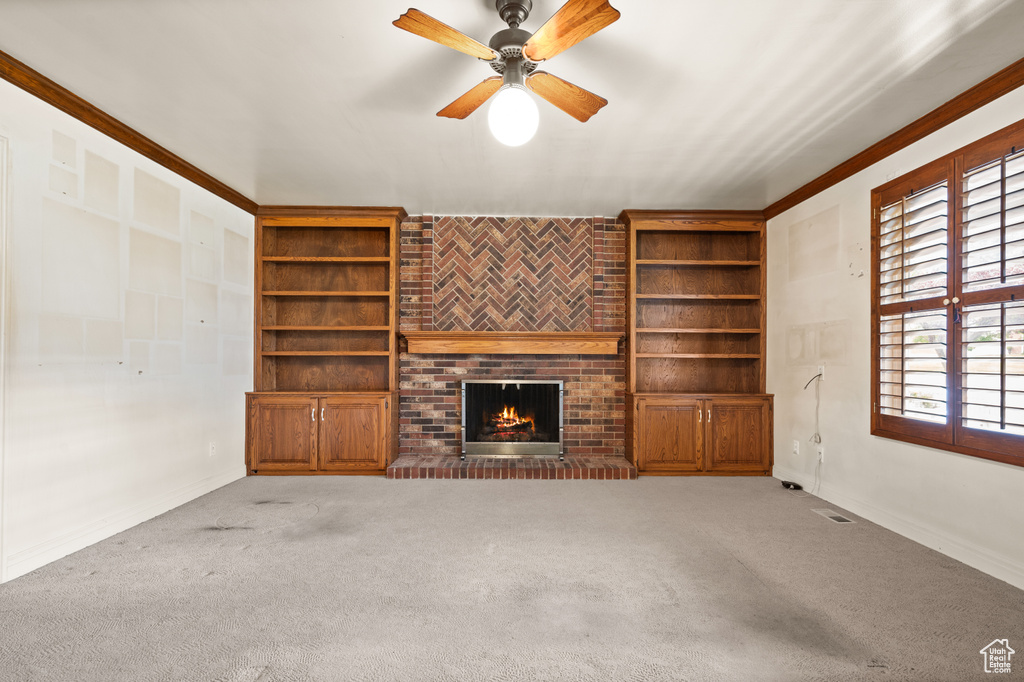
{"x": 578, "y": 19}
{"x": 415, "y": 21}
{"x": 471, "y": 101}
{"x": 570, "y": 98}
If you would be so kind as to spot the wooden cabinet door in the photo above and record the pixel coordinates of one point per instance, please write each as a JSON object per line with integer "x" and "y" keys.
{"x": 739, "y": 434}
{"x": 353, "y": 432}
{"x": 282, "y": 433}
{"x": 669, "y": 435}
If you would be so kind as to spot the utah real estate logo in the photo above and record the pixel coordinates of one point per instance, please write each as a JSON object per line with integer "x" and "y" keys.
{"x": 997, "y": 656}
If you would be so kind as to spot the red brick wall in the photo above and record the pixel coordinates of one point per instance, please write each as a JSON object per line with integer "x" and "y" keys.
{"x": 415, "y": 307}
{"x": 513, "y": 274}
{"x": 594, "y": 385}
{"x": 610, "y": 277}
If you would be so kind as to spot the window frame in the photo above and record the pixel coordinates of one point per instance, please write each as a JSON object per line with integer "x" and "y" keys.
{"x": 952, "y": 436}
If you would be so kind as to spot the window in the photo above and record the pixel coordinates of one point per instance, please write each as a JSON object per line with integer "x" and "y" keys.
{"x": 948, "y": 302}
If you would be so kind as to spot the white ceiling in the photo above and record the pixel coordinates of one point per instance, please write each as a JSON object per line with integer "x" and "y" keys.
{"x": 712, "y": 103}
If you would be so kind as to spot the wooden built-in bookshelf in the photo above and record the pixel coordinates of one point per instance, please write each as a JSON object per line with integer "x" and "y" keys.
{"x": 326, "y": 331}
{"x": 696, "y": 340}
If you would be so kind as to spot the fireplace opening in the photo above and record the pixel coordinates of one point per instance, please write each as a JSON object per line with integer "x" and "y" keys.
{"x": 511, "y": 418}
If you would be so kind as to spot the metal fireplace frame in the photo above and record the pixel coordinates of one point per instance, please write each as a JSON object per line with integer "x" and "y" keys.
{"x": 515, "y": 449}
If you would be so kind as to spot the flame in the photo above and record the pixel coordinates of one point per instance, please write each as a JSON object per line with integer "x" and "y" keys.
{"x": 509, "y": 417}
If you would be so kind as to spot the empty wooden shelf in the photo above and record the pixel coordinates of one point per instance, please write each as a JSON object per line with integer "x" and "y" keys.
{"x": 326, "y": 367}
{"x": 696, "y": 400}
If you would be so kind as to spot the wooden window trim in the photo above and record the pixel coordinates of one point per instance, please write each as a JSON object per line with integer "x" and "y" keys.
{"x": 1005, "y": 458}
{"x": 997, "y": 144}
{"x": 951, "y": 436}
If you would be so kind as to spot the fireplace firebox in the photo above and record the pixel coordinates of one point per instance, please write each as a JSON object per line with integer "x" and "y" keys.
{"x": 512, "y": 418}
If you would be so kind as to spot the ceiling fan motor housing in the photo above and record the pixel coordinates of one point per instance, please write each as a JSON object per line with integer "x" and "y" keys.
{"x": 509, "y": 44}
{"x": 514, "y": 12}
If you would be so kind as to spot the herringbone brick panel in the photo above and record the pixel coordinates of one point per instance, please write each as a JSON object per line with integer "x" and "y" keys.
{"x": 513, "y": 274}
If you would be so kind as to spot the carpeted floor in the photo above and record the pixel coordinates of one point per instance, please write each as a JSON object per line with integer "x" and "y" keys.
{"x": 327, "y": 578}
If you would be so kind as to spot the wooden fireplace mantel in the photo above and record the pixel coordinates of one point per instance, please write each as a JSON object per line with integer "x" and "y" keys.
{"x": 513, "y": 343}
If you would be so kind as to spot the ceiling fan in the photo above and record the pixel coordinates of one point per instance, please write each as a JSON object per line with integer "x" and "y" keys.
{"x": 514, "y": 54}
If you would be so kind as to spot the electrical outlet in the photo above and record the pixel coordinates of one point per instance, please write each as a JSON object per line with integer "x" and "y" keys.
{"x": 796, "y": 447}
{"x": 821, "y": 372}
{"x": 213, "y": 448}
{"x": 821, "y": 453}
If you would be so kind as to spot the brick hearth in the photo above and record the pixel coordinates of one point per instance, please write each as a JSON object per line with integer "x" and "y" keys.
{"x": 528, "y": 468}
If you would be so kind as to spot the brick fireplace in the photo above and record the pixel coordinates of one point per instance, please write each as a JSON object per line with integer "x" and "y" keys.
{"x": 486, "y": 274}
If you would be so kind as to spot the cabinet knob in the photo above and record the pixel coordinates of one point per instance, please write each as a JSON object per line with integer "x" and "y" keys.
{"x": 321, "y": 414}
{"x": 312, "y": 414}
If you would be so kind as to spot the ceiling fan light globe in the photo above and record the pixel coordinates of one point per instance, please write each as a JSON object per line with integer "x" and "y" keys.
{"x": 513, "y": 116}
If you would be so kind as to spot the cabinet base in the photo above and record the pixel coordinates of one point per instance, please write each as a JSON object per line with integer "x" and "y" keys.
{"x": 700, "y": 434}
{"x": 703, "y": 473}
{"x": 353, "y": 472}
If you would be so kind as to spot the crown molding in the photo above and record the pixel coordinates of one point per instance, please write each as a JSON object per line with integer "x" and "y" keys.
{"x": 974, "y": 98}
{"x": 50, "y": 92}
{"x": 988, "y": 90}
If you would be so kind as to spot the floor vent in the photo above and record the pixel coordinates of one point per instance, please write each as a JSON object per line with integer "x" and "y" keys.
{"x": 833, "y": 515}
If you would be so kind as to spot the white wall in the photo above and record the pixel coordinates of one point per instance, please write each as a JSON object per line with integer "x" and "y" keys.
{"x": 128, "y": 337}
{"x": 819, "y": 309}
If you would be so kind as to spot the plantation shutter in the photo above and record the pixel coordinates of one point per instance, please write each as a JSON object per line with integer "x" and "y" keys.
{"x": 991, "y": 342}
{"x": 915, "y": 240}
{"x": 912, "y": 340}
{"x": 948, "y": 302}
{"x": 993, "y": 224}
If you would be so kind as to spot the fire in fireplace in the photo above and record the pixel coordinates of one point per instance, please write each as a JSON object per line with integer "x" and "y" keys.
{"x": 508, "y": 427}
{"x": 511, "y": 418}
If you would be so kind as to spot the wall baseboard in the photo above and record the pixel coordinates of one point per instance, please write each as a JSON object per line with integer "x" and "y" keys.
{"x": 31, "y": 558}
{"x": 955, "y": 547}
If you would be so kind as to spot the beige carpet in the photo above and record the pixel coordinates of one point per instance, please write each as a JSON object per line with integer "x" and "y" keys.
{"x": 327, "y": 578}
